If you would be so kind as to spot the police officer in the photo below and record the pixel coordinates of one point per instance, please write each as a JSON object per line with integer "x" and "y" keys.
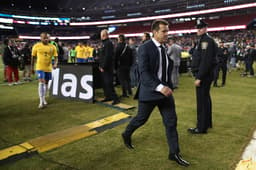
{"x": 203, "y": 64}
{"x": 222, "y": 57}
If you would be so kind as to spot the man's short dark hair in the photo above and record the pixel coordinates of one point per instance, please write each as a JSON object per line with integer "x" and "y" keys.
{"x": 156, "y": 23}
{"x": 121, "y": 37}
{"x": 173, "y": 39}
{"x": 132, "y": 38}
{"x": 6, "y": 41}
{"x": 147, "y": 35}
{"x": 45, "y": 33}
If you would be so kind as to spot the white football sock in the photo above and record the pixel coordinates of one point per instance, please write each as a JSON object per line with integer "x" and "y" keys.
{"x": 45, "y": 93}
{"x": 41, "y": 91}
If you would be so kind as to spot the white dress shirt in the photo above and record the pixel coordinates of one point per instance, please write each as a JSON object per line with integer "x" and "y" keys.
{"x": 159, "y": 73}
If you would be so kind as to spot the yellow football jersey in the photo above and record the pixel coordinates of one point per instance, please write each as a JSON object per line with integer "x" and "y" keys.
{"x": 88, "y": 52}
{"x": 44, "y": 55}
{"x": 80, "y": 52}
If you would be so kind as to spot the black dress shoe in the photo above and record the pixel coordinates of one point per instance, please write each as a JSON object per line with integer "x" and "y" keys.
{"x": 177, "y": 158}
{"x": 124, "y": 95}
{"x": 115, "y": 102}
{"x": 127, "y": 141}
{"x": 196, "y": 131}
{"x": 106, "y": 100}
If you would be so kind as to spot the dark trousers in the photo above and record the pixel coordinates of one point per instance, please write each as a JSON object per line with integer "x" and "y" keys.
{"x": 204, "y": 105}
{"x": 108, "y": 87}
{"x": 223, "y": 68}
{"x": 73, "y": 59}
{"x": 134, "y": 74}
{"x": 125, "y": 80}
{"x": 250, "y": 67}
{"x": 166, "y": 107}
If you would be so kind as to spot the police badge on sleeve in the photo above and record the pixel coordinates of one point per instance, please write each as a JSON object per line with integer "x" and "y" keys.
{"x": 204, "y": 45}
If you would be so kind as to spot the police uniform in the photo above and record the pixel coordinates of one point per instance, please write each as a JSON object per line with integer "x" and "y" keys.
{"x": 203, "y": 64}
{"x": 222, "y": 58}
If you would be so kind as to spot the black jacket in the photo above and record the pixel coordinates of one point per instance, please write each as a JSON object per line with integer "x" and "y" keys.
{"x": 123, "y": 56}
{"x": 223, "y": 55}
{"x": 148, "y": 68}
{"x": 106, "y": 56}
{"x": 26, "y": 55}
{"x": 9, "y": 58}
{"x": 204, "y": 57}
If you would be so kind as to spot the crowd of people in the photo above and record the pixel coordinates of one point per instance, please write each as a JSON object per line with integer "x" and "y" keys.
{"x": 238, "y": 47}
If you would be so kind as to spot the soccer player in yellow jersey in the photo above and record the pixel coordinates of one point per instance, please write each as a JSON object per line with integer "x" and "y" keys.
{"x": 87, "y": 52}
{"x": 43, "y": 52}
{"x": 80, "y": 53}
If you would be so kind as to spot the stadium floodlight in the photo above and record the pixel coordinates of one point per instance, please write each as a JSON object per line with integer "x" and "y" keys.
{"x": 19, "y": 22}
{"x": 186, "y": 31}
{"x": 6, "y": 27}
{"x": 6, "y": 20}
{"x": 40, "y": 18}
{"x": 52, "y": 37}
{"x": 177, "y": 15}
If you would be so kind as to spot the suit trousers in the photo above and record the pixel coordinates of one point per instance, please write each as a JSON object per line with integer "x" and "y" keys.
{"x": 221, "y": 67}
{"x": 125, "y": 80}
{"x": 204, "y": 104}
{"x": 108, "y": 87}
{"x": 134, "y": 74}
{"x": 166, "y": 107}
{"x": 175, "y": 76}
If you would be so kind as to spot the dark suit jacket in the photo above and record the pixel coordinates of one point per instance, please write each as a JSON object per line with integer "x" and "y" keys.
{"x": 149, "y": 58}
{"x": 107, "y": 54}
{"x": 123, "y": 59}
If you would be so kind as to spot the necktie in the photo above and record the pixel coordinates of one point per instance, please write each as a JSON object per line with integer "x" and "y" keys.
{"x": 163, "y": 54}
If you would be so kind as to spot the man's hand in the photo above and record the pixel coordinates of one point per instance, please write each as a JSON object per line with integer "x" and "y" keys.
{"x": 101, "y": 69}
{"x": 32, "y": 70}
{"x": 166, "y": 91}
{"x": 54, "y": 66}
{"x": 197, "y": 82}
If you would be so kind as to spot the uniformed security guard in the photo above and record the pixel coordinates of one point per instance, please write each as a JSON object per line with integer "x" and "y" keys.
{"x": 203, "y": 64}
{"x": 222, "y": 57}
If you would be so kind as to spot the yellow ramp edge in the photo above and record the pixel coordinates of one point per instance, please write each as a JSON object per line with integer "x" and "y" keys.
{"x": 15, "y": 150}
{"x": 57, "y": 139}
{"x": 107, "y": 120}
{"x": 121, "y": 105}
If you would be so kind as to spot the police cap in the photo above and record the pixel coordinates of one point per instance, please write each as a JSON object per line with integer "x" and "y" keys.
{"x": 201, "y": 24}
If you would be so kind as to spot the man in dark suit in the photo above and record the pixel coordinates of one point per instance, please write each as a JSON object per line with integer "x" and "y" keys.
{"x": 155, "y": 89}
{"x": 106, "y": 68}
{"x": 203, "y": 65}
{"x": 123, "y": 62}
{"x": 222, "y": 57}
